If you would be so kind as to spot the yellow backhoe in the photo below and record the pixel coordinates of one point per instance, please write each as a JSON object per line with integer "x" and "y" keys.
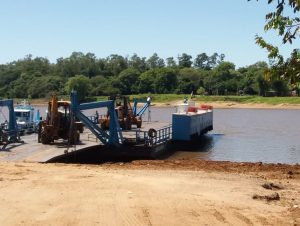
{"x": 59, "y": 123}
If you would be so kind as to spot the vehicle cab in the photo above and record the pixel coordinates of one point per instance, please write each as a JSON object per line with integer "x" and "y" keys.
{"x": 24, "y": 113}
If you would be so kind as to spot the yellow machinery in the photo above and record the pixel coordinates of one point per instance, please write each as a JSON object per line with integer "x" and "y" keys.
{"x": 59, "y": 123}
{"x": 125, "y": 114}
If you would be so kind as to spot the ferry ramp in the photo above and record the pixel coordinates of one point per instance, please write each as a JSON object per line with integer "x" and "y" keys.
{"x": 136, "y": 146}
{"x": 32, "y": 151}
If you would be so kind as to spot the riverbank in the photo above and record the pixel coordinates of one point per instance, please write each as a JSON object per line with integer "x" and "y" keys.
{"x": 217, "y": 105}
{"x": 171, "y": 100}
{"x": 233, "y": 105}
{"x": 180, "y": 192}
{"x": 257, "y": 102}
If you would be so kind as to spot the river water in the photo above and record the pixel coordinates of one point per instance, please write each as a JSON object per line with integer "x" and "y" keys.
{"x": 249, "y": 135}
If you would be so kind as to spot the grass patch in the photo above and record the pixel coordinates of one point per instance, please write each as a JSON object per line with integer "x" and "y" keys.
{"x": 165, "y": 98}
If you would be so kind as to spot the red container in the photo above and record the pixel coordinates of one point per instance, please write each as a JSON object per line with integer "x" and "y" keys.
{"x": 206, "y": 107}
{"x": 192, "y": 109}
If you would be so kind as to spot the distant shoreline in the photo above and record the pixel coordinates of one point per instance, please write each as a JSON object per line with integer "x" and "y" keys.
{"x": 234, "y": 105}
{"x": 215, "y": 104}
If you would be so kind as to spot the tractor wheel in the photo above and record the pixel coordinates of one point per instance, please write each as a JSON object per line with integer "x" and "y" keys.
{"x": 139, "y": 123}
{"x": 75, "y": 137}
{"x": 78, "y": 136}
{"x": 103, "y": 124}
{"x": 127, "y": 124}
{"x": 45, "y": 139}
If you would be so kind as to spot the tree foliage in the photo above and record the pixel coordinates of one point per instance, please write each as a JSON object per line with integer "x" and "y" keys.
{"x": 91, "y": 76}
{"x": 129, "y": 80}
{"x": 287, "y": 26}
{"x": 184, "y": 60}
{"x": 155, "y": 62}
{"x": 79, "y": 83}
{"x": 286, "y": 22}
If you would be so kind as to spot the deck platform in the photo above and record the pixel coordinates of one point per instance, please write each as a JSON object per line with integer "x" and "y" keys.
{"x": 32, "y": 151}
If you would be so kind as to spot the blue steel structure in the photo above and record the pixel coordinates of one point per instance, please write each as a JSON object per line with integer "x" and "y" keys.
{"x": 144, "y": 108}
{"x": 114, "y": 135}
{"x": 12, "y": 124}
{"x": 9, "y": 132}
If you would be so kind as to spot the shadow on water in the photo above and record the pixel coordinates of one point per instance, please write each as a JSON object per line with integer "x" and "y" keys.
{"x": 201, "y": 144}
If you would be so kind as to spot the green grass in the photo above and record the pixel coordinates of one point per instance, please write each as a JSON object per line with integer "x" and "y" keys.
{"x": 165, "y": 98}
{"x": 251, "y": 99}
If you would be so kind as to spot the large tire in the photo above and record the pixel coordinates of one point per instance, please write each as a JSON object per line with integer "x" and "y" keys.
{"x": 45, "y": 139}
{"x": 127, "y": 124}
{"x": 79, "y": 127}
{"x": 152, "y": 133}
{"x": 139, "y": 123}
{"x": 75, "y": 137}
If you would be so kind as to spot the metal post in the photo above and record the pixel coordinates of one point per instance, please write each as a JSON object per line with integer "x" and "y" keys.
{"x": 113, "y": 130}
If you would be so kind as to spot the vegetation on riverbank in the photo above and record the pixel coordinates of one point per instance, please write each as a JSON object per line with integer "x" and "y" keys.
{"x": 171, "y": 98}
{"x": 251, "y": 99}
{"x": 167, "y": 98}
{"x": 91, "y": 76}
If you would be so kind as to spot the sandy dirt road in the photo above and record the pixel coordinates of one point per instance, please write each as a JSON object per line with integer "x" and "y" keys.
{"x": 149, "y": 193}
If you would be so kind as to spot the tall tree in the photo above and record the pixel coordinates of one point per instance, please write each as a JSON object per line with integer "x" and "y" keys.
{"x": 147, "y": 81}
{"x": 171, "y": 62}
{"x": 115, "y": 64}
{"x": 138, "y": 63}
{"x": 188, "y": 80}
{"x": 201, "y": 61}
{"x": 129, "y": 81}
{"x": 79, "y": 83}
{"x": 184, "y": 60}
{"x": 78, "y": 64}
{"x": 155, "y": 62}
{"x": 165, "y": 81}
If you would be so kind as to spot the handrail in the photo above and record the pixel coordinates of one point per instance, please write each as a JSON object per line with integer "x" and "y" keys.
{"x": 162, "y": 136}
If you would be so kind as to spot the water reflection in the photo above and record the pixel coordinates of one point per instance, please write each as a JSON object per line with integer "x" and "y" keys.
{"x": 202, "y": 146}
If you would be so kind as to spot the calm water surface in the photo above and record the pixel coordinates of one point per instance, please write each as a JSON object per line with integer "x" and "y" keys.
{"x": 241, "y": 135}
{"x": 250, "y": 135}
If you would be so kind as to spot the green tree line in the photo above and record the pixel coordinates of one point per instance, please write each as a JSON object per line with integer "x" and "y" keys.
{"x": 91, "y": 76}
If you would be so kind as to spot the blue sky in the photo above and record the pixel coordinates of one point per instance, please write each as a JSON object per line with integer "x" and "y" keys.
{"x": 56, "y": 28}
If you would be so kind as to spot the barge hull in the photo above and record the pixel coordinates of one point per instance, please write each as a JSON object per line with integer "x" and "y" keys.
{"x": 189, "y": 125}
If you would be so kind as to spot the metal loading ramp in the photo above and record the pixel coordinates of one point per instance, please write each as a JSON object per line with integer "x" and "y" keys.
{"x": 32, "y": 151}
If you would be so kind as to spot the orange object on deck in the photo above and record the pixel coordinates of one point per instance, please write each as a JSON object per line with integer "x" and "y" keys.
{"x": 206, "y": 107}
{"x": 192, "y": 109}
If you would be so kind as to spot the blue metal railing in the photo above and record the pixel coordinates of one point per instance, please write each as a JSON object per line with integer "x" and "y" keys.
{"x": 162, "y": 135}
